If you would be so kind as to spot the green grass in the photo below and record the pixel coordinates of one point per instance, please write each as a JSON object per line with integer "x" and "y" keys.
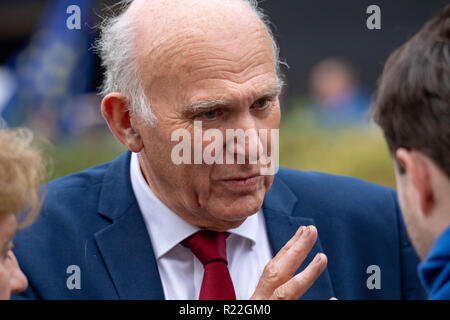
{"x": 355, "y": 151}
{"x": 90, "y": 150}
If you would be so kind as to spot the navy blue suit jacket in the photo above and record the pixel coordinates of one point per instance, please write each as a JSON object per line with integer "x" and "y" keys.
{"x": 92, "y": 220}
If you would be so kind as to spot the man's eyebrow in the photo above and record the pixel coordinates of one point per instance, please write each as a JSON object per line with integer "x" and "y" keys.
{"x": 204, "y": 105}
{"x": 273, "y": 91}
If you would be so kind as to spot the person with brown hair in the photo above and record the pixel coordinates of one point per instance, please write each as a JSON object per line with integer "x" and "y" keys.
{"x": 413, "y": 109}
{"x": 21, "y": 171}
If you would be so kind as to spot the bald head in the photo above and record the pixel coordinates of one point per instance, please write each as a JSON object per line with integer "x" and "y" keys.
{"x": 176, "y": 16}
{"x": 164, "y": 29}
{"x": 160, "y": 21}
{"x": 151, "y": 38}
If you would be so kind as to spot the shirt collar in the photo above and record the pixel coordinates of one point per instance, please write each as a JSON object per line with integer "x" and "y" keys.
{"x": 434, "y": 271}
{"x": 165, "y": 227}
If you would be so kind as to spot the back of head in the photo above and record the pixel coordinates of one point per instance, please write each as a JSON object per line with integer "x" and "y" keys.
{"x": 412, "y": 105}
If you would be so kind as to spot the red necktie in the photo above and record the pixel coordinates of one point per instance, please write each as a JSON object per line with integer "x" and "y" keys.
{"x": 211, "y": 249}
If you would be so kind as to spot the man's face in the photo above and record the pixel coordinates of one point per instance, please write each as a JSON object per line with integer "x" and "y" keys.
{"x": 410, "y": 206}
{"x": 238, "y": 71}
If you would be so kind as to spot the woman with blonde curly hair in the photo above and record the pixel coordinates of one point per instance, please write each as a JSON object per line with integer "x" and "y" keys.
{"x": 21, "y": 171}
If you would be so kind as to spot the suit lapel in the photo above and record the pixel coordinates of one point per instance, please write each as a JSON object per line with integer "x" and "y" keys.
{"x": 128, "y": 255}
{"x": 127, "y": 251}
{"x": 125, "y": 244}
{"x": 278, "y": 207}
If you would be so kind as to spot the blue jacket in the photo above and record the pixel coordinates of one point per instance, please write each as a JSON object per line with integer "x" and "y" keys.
{"x": 434, "y": 271}
{"x": 91, "y": 219}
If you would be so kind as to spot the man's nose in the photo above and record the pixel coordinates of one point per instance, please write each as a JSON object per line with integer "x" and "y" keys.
{"x": 248, "y": 145}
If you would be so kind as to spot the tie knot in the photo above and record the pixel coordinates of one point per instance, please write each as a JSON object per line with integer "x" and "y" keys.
{"x": 208, "y": 246}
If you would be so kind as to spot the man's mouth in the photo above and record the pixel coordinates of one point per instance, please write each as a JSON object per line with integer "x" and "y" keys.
{"x": 243, "y": 182}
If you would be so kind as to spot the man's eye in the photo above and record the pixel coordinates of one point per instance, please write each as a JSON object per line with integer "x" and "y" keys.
{"x": 211, "y": 114}
{"x": 261, "y": 104}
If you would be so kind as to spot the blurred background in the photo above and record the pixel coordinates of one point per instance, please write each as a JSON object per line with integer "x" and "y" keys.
{"x": 49, "y": 77}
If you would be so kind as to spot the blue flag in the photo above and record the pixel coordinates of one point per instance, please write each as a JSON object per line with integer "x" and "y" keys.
{"x": 55, "y": 66}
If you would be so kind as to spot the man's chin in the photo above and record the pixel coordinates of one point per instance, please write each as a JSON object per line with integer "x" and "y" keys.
{"x": 237, "y": 212}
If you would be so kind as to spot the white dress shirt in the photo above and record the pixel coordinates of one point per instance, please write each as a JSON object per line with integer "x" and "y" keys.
{"x": 248, "y": 247}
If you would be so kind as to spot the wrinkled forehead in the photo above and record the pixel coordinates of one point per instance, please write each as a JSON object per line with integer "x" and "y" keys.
{"x": 181, "y": 48}
{"x": 209, "y": 64}
{"x": 198, "y": 68}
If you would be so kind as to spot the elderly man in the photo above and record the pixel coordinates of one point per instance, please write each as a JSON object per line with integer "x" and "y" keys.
{"x": 147, "y": 227}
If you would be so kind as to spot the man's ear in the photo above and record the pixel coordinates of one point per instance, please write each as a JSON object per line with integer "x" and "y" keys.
{"x": 116, "y": 113}
{"x": 417, "y": 168}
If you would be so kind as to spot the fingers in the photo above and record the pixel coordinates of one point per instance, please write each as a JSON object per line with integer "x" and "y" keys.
{"x": 296, "y": 254}
{"x": 282, "y": 267}
{"x": 290, "y": 242}
{"x": 298, "y": 285}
